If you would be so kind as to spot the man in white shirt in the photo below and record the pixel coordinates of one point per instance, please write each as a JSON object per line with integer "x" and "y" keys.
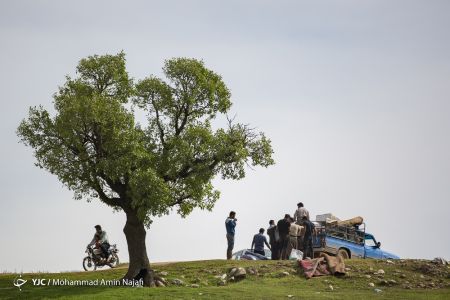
{"x": 300, "y": 213}
{"x": 294, "y": 234}
{"x": 102, "y": 237}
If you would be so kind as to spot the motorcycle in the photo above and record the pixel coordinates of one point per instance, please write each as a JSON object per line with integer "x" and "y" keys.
{"x": 95, "y": 259}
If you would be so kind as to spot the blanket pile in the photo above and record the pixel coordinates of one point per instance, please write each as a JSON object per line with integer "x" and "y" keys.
{"x": 324, "y": 265}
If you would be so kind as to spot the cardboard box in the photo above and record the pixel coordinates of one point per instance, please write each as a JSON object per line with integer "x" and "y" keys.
{"x": 326, "y": 218}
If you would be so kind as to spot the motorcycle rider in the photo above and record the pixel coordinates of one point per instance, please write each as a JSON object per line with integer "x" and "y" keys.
{"x": 101, "y": 237}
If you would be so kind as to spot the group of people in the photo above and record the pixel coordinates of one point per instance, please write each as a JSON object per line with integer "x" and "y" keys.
{"x": 289, "y": 233}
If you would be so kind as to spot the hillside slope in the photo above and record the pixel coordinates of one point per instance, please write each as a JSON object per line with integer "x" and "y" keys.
{"x": 405, "y": 279}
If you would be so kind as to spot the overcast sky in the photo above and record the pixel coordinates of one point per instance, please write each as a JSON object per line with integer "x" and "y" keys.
{"x": 353, "y": 94}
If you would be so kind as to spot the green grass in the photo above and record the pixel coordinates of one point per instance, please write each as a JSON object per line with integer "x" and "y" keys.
{"x": 413, "y": 280}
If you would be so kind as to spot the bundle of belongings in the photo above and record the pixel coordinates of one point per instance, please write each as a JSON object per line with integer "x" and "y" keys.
{"x": 333, "y": 220}
{"x": 324, "y": 265}
{"x": 250, "y": 255}
{"x": 356, "y": 221}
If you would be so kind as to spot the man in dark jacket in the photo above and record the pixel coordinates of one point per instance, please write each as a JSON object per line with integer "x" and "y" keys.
{"x": 283, "y": 230}
{"x": 271, "y": 232}
{"x": 310, "y": 232}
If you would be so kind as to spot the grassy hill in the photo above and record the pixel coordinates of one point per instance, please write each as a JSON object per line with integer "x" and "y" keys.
{"x": 405, "y": 279}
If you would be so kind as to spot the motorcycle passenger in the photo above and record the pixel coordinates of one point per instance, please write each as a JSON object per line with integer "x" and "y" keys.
{"x": 101, "y": 238}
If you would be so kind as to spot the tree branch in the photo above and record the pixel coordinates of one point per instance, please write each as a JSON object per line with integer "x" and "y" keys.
{"x": 158, "y": 121}
{"x": 180, "y": 200}
{"x": 178, "y": 130}
{"x": 103, "y": 197}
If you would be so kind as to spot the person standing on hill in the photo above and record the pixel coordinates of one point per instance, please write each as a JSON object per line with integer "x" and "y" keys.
{"x": 310, "y": 231}
{"x": 294, "y": 233}
{"x": 230, "y": 224}
{"x": 300, "y": 213}
{"x": 273, "y": 239}
{"x": 283, "y": 230}
{"x": 258, "y": 242}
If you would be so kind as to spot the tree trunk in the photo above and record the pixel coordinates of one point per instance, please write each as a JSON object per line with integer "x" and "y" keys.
{"x": 139, "y": 267}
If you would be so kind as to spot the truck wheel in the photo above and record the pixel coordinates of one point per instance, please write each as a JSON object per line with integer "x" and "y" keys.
{"x": 343, "y": 253}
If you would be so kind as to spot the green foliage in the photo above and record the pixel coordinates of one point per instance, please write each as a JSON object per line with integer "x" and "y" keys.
{"x": 96, "y": 148}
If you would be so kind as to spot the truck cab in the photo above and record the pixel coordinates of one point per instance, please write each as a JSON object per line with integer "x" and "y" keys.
{"x": 372, "y": 249}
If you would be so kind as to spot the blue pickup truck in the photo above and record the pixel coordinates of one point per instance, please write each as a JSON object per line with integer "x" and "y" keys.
{"x": 349, "y": 242}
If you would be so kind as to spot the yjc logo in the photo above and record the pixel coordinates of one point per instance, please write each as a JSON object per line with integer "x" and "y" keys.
{"x": 18, "y": 281}
{"x": 39, "y": 281}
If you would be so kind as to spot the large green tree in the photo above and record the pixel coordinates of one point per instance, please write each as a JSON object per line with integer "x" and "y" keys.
{"x": 95, "y": 147}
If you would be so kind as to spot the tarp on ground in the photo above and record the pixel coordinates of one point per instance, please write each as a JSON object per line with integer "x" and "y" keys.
{"x": 324, "y": 265}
